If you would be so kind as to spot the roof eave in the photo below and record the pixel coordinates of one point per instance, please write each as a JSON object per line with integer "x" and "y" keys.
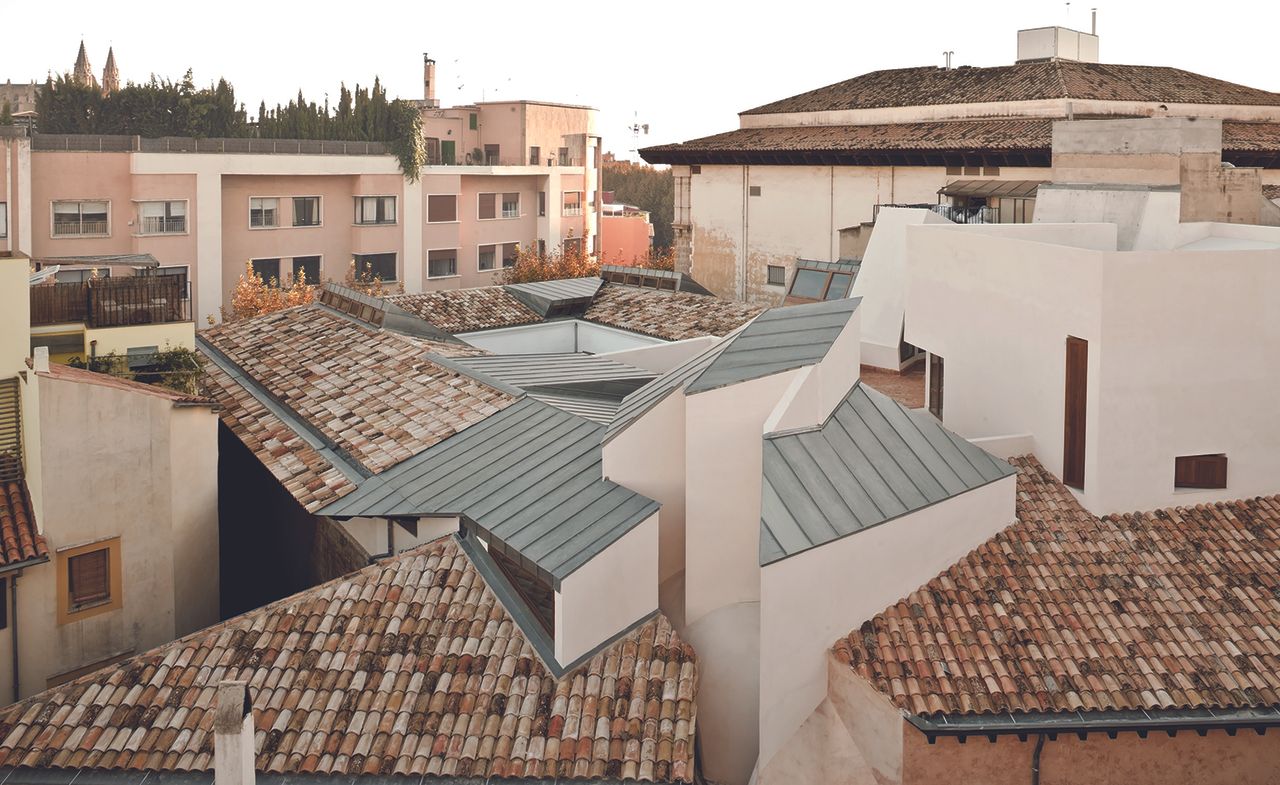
{"x": 1082, "y": 723}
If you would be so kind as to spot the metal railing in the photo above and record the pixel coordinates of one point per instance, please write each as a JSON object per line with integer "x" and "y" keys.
{"x": 184, "y": 144}
{"x": 112, "y": 302}
{"x": 161, "y": 225}
{"x": 960, "y": 215}
{"x": 435, "y": 159}
{"x": 78, "y": 228}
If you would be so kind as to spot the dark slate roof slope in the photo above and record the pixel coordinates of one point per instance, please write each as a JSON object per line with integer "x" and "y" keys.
{"x": 529, "y": 475}
{"x": 931, "y": 86}
{"x": 872, "y": 461}
{"x": 407, "y": 668}
{"x": 1169, "y": 611}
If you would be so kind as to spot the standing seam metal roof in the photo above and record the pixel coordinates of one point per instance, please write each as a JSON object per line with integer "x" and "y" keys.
{"x": 529, "y": 475}
{"x": 526, "y": 370}
{"x": 550, "y": 297}
{"x": 872, "y": 461}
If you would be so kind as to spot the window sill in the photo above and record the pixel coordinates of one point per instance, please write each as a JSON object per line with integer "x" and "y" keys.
{"x": 375, "y": 223}
{"x": 443, "y": 223}
{"x": 79, "y": 236}
{"x": 442, "y": 277}
{"x": 162, "y": 234}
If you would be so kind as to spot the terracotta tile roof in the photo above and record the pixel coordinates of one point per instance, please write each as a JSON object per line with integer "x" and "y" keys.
{"x": 1271, "y": 191}
{"x": 467, "y": 310}
{"x": 407, "y": 667}
{"x": 372, "y": 393}
{"x": 83, "y": 376}
{"x": 931, "y": 86}
{"x": 672, "y": 316}
{"x": 1064, "y": 611}
{"x": 20, "y": 538}
{"x": 303, "y": 471}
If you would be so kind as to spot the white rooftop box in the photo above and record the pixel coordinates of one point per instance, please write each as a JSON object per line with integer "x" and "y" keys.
{"x": 1057, "y": 43}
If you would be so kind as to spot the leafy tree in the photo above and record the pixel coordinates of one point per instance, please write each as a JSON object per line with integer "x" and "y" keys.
{"x": 173, "y": 367}
{"x": 254, "y": 296}
{"x": 6, "y": 114}
{"x": 564, "y": 261}
{"x": 647, "y": 188}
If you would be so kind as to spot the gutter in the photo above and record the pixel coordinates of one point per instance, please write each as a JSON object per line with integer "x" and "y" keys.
{"x": 1082, "y": 723}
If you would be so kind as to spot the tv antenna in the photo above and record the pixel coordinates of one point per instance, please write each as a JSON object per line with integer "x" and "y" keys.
{"x": 637, "y": 128}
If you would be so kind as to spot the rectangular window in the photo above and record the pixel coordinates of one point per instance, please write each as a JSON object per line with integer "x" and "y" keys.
{"x": 564, "y": 156}
{"x": 442, "y": 208}
{"x": 509, "y": 254}
{"x": 936, "y": 367}
{"x": 1200, "y": 471}
{"x": 376, "y": 266}
{"x": 487, "y": 206}
{"x": 754, "y": 190}
{"x": 542, "y": 248}
{"x": 306, "y": 211}
{"x": 473, "y": 122}
{"x": 973, "y": 170}
{"x": 89, "y": 580}
{"x": 377, "y": 209}
{"x": 4, "y": 220}
{"x": 263, "y": 212}
{"x": 955, "y": 171}
{"x": 140, "y": 356}
{"x": 442, "y": 263}
{"x": 1075, "y": 410}
{"x": 79, "y": 219}
{"x": 511, "y": 205}
{"x": 4, "y": 603}
{"x": 268, "y": 270}
{"x": 179, "y": 272}
{"x": 491, "y": 157}
{"x": 542, "y": 203}
{"x": 777, "y": 275}
{"x": 535, "y": 156}
{"x": 433, "y": 150}
{"x": 488, "y": 257}
{"x": 163, "y": 217}
{"x": 695, "y": 169}
{"x": 306, "y": 269}
{"x": 991, "y": 171}
{"x": 572, "y": 203}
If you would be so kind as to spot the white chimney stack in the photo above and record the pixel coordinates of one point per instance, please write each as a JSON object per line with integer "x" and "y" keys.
{"x": 233, "y": 735}
{"x": 40, "y": 359}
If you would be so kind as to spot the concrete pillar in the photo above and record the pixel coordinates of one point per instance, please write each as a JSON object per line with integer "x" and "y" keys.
{"x": 23, "y": 219}
{"x": 208, "y": 268}
{"x": 233, "y": 735}
{"x": 412, "y": 217}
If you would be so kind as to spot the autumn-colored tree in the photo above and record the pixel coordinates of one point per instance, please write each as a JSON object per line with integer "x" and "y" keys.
{"x": 567, "y": 260}
{"x": 654, "y": 259}
{"x": 365, "y": 281}
{"x": 254, "y": 296}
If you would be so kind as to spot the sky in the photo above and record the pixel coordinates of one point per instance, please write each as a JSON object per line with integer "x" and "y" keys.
{"x": 685, "y": 69}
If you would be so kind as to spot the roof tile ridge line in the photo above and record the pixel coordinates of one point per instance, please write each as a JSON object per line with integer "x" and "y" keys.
{"x": 343, "y": 461}
{"x": 907, "y": 416}
{"x": 494, "y": 382}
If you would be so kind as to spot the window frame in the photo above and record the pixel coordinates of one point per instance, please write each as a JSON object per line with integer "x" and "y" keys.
{"x": 479, "y": 256}
{"x": 502, "y": 258}
{"x": 266, "y": 279}
{"x": 769, "y": 268}
{"x": 497, "y": 206}
{"x": 427, "y": 264}
{"x": 542, "y": 204}
{"x": 186, "y": 214}
{"x": 68, "y": 613}
{"x": 1198, "y": 477}
{"x": 358, "y": 258}
{"x": 264, "y": 227}
{"x": 535, "y": 155}
{"x": 359, "y": 212}
{"x": 456, "y": 200}
{"x": 293, "y": 213}
{"x": 502, "y": 205}
{"x": 565, "y": 210}
{"x": 293, "y": 267}
{"x": 4, "y": 224}
{"x": 53, "y": 219}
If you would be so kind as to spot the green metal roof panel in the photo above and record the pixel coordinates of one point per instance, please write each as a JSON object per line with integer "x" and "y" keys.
{"x": 872, "y": 461}
{"x": 532, "y": 370}
{"x": 553, "y": 298}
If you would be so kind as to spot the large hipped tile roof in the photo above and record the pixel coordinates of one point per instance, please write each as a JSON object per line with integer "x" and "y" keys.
{"x": 407, "y": 667}
{"x": 1067, "y": 612}
{"x": 467, "y": 310}
{"x": 930, "y": 85}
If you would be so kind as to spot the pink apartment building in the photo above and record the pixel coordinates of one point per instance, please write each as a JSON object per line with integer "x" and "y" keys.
{"x": 499, "y": 174}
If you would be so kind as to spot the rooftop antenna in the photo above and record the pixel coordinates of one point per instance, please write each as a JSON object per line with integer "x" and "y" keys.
{"x": 637, "y": 128}
{"x": 1068, "y": 14}
{"x": 1094, "y": 30}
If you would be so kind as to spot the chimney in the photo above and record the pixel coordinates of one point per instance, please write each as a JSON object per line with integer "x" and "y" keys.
{"x": 429, "y": 81}
{"x": 233, "y": 735}
{"x": 40, "y": 359}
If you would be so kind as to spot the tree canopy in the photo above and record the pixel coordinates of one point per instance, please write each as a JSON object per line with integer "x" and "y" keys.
{"x": 647, "y": 188}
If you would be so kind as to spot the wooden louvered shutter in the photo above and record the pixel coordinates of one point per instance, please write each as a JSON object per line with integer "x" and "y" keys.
{"x": 1073, "y": 430}
{"x": 87, "y": 578}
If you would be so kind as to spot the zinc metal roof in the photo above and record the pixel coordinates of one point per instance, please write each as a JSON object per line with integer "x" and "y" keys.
{"x": 526, "y": 370}
{"x": 872, "y": 461}
{"x": 779, "y": 339}
{"x": 596, "y": 408}
{"x": 529, "y": 475}
{"x": 1009, "y": 189}
{"x": 551, "y": 298}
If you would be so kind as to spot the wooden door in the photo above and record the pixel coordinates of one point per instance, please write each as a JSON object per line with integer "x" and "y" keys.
{"x": 1073, "y": 425}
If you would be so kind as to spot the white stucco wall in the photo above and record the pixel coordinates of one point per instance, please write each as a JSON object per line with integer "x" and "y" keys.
{"x": 811, "y": 599}
{"x": 727, "y": 641}
{"x": 662, "y": 357}
{"x": 609, "y": 593}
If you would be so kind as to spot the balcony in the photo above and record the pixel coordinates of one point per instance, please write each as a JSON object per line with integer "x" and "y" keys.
{"x": 112, "y": 302}
{"x": 435, "y": 159}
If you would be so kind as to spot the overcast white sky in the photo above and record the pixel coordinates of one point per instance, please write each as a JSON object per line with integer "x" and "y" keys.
{"x": 685, "y": 68}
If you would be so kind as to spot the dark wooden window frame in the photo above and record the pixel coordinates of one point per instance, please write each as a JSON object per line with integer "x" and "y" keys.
{"x": 1075, "y": 412}
{"x": 937, "y": 378}
{"x": 1200, "y": 471}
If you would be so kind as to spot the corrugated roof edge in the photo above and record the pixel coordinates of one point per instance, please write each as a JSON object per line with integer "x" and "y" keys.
{"x": 1003, "y": 465}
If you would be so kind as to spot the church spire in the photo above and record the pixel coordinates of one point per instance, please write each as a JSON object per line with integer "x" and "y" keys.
{"x": 110, "y": 74}
{"x": 83, "y": 73}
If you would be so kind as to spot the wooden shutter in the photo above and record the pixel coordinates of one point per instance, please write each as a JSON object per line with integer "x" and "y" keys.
{"x": 1073, "y": 425}
{"x": 935, "y": 385}
{"x": 87, "y": 577}
{"x": 487, "y": 209}
{"x": 1200, "y": 471}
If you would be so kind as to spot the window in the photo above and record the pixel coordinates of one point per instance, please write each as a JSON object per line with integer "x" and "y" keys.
{"x": 564, "y": 156}
{"x": 140, "y": 356}
{"x": 262, "y": 212}
{"x": 511, "y": 205}
{"x": 1073, "y": 421}
{"x": 777, "y": 275}
{"x": 442, "y": 208}
{"x": 433, "y": 150}
{"x": 955, "y": 171}
{"x": 754, "y": 190}
{"x": 573, "y": 246}
{"x": 538, "y": 595}
{"x": 163, "y": 217}
{"x": 380, "y": 266}
{"x": 179, "y": 272}
{"x": 89, "y": 580}
{"x": 376, "y": 209}
{"x": 972, "y": 170}
{"x": 542, "y": 203}
{"x": 4, "y": 220}
{"x": 268, "y": 270}
{"x": 443, "y": 263}
{"x": 488, "y": 256}
{"x": 509, "y": 254}
{"x": 936, "y": 367}
{"x": 473, "y": 122}
{"x": 307, "y": 269}
{"x": 1200, "y": 471}
{"x": 810, "y": 284}
{"x": 491, "y": 157}
{"x": 572, "y": 203}
{"x": 535, "y": 156}
{"x": 487, "y": 207}
{"x": 695, "y": 169}
{"x": 542, "y": 248}
{"x": 306, "y": 211}
{"x": 4, "y": 603}
{"x": 79, "y": 219}
{"x": 991, "y": 171}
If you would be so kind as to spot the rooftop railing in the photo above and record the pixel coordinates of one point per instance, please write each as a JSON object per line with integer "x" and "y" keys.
{"x": 182, "y": 144}
{"x": 112, "y": 302}
{"x": 960, "y": 215}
